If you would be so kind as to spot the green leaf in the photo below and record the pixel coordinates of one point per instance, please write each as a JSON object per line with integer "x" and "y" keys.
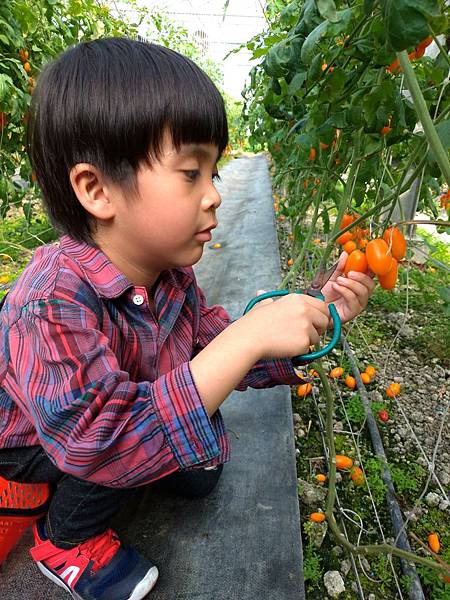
{"x": 444, "y": 293}
{"x": 327, "y": 9}
{"x": 308, "y": 48}
{"x": 407, "y": 21}
{"x": 6, "y": 83}
{"x": 297, "y": 83}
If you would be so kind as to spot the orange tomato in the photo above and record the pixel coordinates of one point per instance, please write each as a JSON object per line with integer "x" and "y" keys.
{"x": 349, "y": 246}
{"x": 321, "y": 478}
{"x": 365, "y": 378}
{"x": 389, "y": 280}
{"x": 362, "y": 243}
{"x": 345, "y": 237}
{"x": 312, "y": 154}
{"x": 313, "y": 372}
{"x": 304, "y": 389}
{"x": 357, "y": 476}
{"x": 392, "y": 68}
{"x": 378, "y": 257}
{"x": 396, "y": 242}
{"x": 346, "y": 220}
{"x": 420, "y": 50}
{"x": 336, "y": 372}
{"x": 385, "y": 130}
{"x": 370, "y": 371}
{"x": 356, "y": 261}
{"x": 343, "y": 462}
{"x": 290, "y": 262}
{"x": 27, "y": 67}
{"x": 393, "y": 390}
{"x": 433, "y": 542}
{"x": 317, "y": 517}
{"x": 350, "y": 382}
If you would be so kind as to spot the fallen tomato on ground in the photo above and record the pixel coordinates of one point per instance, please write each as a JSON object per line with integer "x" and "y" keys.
{"x": 383, "y": 415}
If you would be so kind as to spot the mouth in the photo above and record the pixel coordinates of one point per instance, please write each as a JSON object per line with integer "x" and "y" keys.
{"x": 208, "y": 229}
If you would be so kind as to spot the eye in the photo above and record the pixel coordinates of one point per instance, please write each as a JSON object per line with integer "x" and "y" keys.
{"x": 192, "y": 175}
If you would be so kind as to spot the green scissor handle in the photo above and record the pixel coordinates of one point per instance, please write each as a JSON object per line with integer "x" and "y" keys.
{"x": 337, "y": 326}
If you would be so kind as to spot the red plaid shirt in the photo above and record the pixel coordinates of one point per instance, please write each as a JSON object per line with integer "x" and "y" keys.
{"x": 89, "y": 373}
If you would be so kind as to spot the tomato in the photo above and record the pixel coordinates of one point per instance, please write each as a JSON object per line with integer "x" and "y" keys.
{"x": 343, "y": 462}
{"x": 3, "y": 120}
{"x": 323, "y": 146}
{"x": 317, "y": 517}
{"x": 433, "y": 542}
{"x": 385, "y": 130}
{"x": 378, "y": 258}
{"x": 336, "y": 372}
{"x": 27, "y": 67}
{"x": 357, "y": 476}
{"x": 365, "y": 378}
{"x": 346, "y": 220}
{"x": 350, "y": 382}
{"x": 383, "y": 415}
{"x": 304, "y": 389}
{"x": 392, "y": 68}
{"x": 356, "y": 261}
{"x": 321, "y": 478}
{"x": 312, "y": 154}
{"x": 420, "y": 50}
{"x": 393, "y": 390}
{"x": 290, "y": 262}
{"x": 345, "y": 237}
{"x": 349, "y": 246}
{"x": 396, "y": 242}
{"x": 370, "y": 371}
{"x": 362, "y": 243}
{"x": 389, "y": 280}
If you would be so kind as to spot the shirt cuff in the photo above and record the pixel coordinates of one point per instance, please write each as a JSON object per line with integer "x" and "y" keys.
{"x": 192, "y": 436}
{"x": 282, "y": 371}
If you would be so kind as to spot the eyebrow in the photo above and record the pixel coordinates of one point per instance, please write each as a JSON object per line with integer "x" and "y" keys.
{"x": 198, "y": 151}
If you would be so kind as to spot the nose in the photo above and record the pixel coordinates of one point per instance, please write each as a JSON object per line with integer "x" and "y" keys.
{"x": 212, "y": 198}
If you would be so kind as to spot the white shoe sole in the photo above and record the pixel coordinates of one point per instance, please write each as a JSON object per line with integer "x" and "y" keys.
{"x": 139, "y": 592}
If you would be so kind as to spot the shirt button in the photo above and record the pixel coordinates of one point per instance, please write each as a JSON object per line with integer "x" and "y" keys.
{"x": 138, "y": 299}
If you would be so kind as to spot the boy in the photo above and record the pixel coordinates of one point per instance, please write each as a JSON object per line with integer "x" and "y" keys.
{"x": 112, "y": 368}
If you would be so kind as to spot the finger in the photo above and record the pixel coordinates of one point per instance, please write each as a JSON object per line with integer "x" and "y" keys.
{"x": 320, "y": 320}
{"x": 345, "y": 288}
{"x": 340, "y": 266}
{"x": 363, "y": 278}
{"x": 314, "y": 303}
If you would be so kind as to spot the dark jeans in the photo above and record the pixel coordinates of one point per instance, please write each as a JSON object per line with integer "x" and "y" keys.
{"x": 80, "y": 509}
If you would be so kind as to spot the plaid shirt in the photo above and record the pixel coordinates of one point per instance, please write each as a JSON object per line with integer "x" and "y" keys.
{"x": 89, "y": 373}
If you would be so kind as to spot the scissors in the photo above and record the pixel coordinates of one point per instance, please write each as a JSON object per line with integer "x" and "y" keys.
{"x": 315, "y": 290}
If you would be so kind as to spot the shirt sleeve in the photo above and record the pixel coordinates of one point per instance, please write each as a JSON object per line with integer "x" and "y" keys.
{"x": 265, "y": 373}
{"x": 92, "y": 421}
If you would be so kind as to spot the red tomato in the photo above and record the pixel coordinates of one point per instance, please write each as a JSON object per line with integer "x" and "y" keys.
{"x": 378, "y": 257}
{"x": 389, "y": 280}
{"x": 356, "y": 261}
{"x": 383, "y": 415}
{"x": 395, "y": 240}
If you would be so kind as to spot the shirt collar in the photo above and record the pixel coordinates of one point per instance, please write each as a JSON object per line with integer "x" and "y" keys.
{"x": 105, "y": 277}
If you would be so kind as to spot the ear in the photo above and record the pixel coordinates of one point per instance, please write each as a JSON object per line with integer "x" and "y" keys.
{"x": 94, "y": 193}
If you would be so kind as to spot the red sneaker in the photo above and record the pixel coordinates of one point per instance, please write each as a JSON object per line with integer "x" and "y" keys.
{"x": 97, "y": 569}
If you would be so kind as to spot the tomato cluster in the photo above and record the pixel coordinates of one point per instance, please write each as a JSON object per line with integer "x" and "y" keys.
{"x": 380, "y": 256}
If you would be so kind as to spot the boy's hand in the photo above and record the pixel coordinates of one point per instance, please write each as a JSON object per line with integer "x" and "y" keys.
{"x": 348, "y": 294}
{"x": 287, "y": 327}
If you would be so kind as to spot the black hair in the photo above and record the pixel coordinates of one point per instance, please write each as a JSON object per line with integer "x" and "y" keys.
{"x": 108, "y": 102}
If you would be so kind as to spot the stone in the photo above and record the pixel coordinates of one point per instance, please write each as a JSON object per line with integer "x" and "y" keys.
{"x": 444, "y": 504}
{"x": 346, "y": 565}
{"x": 337, "y": 550}
{"x": 311, "y": 494}
{"x": 432, "y": 499}
{"x": 334, "y": 583}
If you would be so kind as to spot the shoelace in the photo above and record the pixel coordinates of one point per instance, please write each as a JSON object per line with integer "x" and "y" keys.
{"x": 101, "y": 548}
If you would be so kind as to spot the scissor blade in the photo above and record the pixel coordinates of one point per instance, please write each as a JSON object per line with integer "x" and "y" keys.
{"x": 322, "y": 276}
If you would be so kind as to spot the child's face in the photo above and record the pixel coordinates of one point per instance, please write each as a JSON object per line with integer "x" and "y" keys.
{"x": 167, "y": 224}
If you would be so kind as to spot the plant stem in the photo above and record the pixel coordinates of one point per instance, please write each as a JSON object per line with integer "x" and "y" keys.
{"x": 424, "y": 116}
